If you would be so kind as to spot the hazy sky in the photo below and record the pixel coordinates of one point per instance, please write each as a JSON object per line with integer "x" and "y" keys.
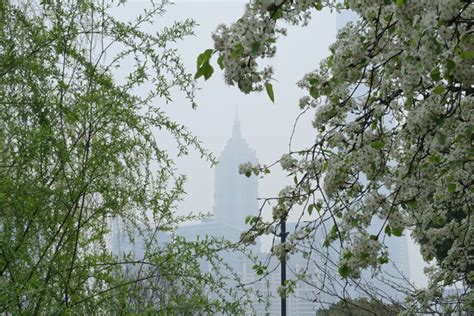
{"x": 265, "y": 126}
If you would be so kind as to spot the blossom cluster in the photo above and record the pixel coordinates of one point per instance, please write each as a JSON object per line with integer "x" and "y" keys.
{"x": 253, "y": 36}
{"x": 393, "y": 116}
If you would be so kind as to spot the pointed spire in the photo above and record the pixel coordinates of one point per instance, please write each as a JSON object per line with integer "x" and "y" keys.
{"x": 236, "y": 128}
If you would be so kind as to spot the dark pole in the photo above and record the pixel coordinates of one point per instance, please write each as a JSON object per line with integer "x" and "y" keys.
{"x": 283, "y": 266}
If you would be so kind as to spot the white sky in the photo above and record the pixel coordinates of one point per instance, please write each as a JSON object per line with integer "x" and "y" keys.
{"x": 265, "y": 126}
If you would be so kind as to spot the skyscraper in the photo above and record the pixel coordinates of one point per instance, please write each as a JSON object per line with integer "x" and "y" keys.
{"x": 235, "y": 198}
{"x": 235, "y": 195}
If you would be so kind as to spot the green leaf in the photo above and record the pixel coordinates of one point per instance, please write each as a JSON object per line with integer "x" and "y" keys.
{"x": 198, "y": 74}
{"x": 325, "y": 166}
{"x": 442, "y": 138}
{"x": 271, "y": 40}
{"x": 251, "y": 219}
{"x": 45, "y": 2}
{"x": 247, "y": 219}
{"x": 378, "y": 144}
{"x": 330, "y": 61}
{"x": 313, "y": 91}
{"x": 388, "y": 230}
{"x": 203, "y": 66}
{"x": 208, "y": 70}
{"x": 318, "y": 6}
{"x": 348, "y": 255}
{"x": 383, "y": 260}
{"x": 318, "y": 206}
{"x": 326, "y": 89}
{"x": 400, "y": 2}
{"x": 397, "y": 231}
{"x": 451, "y": 187}
{"x": 275, "y": 15}
{"x": 434, "y": 159}
{"x": 467, "y": 54}
{"x": 245, "y": 85}
{"x": 269, "y": 88}
{"x": 435, "y": 74}
{"x": 364, "y": 256}
{"x": 310, "y": 209}
{"x": 439, "y": 90}
{"x": 450, "y": 65}
{"x": 236, "y": 51}
{"x": 204, "y": 57}
{"x": 259, "y": 269}
{"x": 344, "y": 271}
{"x": 255, "y": 47}
{"x": 220, "y": 62}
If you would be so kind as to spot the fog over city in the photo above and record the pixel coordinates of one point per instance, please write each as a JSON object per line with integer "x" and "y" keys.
{"x": 236, "y": 157}
{"x": 266, "y": 126}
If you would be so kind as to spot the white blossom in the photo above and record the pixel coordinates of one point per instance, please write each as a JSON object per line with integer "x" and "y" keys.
{"x": 393, "y": 113}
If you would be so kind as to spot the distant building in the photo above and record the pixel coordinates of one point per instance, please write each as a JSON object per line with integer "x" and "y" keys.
{"x": 235, "y": 195}
{"x": 235, "y": 198}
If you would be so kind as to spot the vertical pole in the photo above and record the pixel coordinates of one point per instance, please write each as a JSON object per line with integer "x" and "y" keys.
{"x": 283, "y": 266}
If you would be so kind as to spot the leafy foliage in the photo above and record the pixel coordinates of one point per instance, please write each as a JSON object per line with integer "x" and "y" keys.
{"x": 78, "y": 149}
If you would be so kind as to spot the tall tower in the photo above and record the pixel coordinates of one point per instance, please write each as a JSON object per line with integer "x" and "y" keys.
{"x": 235, "y": 195}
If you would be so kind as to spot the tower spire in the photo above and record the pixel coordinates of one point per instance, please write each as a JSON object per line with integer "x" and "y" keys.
{"x": 236, "y": 128}
{"x": 235, "y": 196}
